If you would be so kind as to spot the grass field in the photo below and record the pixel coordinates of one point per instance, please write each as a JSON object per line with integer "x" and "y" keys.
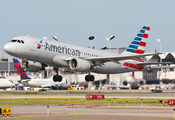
{"x": 77, "y": 101}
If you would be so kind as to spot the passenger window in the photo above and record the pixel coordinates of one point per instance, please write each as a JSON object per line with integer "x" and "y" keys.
{"x": 13, "y": 40}
{"x": 19, "y": 41}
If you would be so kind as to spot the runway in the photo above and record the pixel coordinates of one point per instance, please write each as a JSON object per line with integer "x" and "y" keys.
{"x": 107, "y": 95}
{"x": 64, "y": 112}
{"x": 84, "y": 112}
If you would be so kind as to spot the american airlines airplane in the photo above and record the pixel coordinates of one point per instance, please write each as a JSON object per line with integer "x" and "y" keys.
{"x": 47, "y": 52}
{"x": 37, "y": 82}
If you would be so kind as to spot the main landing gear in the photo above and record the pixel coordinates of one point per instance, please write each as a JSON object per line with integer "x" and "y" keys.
{"x": 24, "y": 64}
{"x": 57, "y": 78}
{"x": 89, "y": 78}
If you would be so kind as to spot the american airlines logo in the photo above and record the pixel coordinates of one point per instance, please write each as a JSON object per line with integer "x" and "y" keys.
{"x": 39, "y": 46}
{"x": 63, "y": 50}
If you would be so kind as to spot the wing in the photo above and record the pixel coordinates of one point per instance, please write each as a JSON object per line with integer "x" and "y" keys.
{"x": 101, "y": 60}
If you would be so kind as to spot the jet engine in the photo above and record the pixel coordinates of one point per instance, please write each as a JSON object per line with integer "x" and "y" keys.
{"x": 142, "y": 82}
{"x": 125, "y": 83}
{"x": 79, "y": 65}
{"x": 32, "y": 66}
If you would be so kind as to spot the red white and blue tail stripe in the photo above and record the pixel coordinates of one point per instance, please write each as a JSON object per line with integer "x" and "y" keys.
{"x": 18, "y": 69}
{"x": 139, "y": 43}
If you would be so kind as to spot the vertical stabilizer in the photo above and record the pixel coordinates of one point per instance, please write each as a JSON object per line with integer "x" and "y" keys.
{"x": 18, "y": 69}
{"x": 139, "y": 43}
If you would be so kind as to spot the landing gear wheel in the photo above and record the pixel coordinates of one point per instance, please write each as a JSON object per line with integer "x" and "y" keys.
{"x": 89, "y": 78}
{"x": 57, "y": 78}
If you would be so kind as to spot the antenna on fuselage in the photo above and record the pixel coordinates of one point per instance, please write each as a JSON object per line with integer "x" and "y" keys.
{"x": 45, "y": 38}
{"x": 27, "y": 35}
{"x": 55, "y": 38}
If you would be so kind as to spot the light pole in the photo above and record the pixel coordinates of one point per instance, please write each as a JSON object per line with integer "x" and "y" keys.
{"x": 109, "y": 39}
{"x": 159, "y": 40}
{"x": 91, "y": 38}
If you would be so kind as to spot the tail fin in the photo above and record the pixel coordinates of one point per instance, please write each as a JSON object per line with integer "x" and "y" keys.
{"x": 139, "y": 43}
{"x": 133, "y": 76}
{"x": 18, "y": 69}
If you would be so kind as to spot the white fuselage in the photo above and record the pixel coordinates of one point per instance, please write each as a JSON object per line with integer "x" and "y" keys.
{"x": 134, "y": 82}
{"x": 44, "y": 83}
{"x": 55, "y": 54}
{"x": 6, "y": 83}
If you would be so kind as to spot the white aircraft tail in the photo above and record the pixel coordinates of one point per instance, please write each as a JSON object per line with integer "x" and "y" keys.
{"x": 138, "y": 45}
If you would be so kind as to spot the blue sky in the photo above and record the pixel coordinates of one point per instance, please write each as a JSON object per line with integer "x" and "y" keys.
{"x": 74, "y": 21}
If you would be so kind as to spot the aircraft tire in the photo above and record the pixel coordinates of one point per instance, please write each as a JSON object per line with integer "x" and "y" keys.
{"x": 89, "y": 78}
{"x": 57, "y": 78}
{"x": 54, "y": 78}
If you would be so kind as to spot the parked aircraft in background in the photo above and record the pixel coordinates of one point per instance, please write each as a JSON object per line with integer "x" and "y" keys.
{"x": 37, "y": 82}
{"x": 46, "y": 52}
{"x": 134, "y": 82}
{"x": 129, "y": 82}
{"x": 4, "y": 83}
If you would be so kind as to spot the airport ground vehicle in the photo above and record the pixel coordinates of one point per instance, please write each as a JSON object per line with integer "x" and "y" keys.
{"x": 76, "y": 87}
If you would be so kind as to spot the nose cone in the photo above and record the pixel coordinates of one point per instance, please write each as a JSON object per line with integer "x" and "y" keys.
{"x": 8, "y": 48}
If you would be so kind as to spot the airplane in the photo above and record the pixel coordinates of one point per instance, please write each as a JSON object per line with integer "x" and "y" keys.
{"x": 47, "y": 52}
{"x": 4, "y": 83}
{"x": 134, "y": 82}
{"x": 37, "y": 82}
{"x": 129, "y": 81}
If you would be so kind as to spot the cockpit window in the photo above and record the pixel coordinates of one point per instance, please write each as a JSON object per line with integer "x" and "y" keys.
{"x": 13, "y": 40}
{"x": 19, "y": 41}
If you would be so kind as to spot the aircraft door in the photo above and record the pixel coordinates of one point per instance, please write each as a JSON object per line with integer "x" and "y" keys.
{"x": 33, "y": 48}
{"x": 33, "y": 44}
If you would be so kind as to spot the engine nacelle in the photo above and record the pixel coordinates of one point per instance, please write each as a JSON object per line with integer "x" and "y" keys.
{"x": 142, "y": 82}
{"x": 32, "y": 66}
{"x": 79, "y": 65}
{"x": 125, "y": 83}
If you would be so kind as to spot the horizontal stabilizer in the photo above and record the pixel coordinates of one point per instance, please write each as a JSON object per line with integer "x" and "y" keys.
{"x": 26, "y": 80}
{"x": 153, "y": 63}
